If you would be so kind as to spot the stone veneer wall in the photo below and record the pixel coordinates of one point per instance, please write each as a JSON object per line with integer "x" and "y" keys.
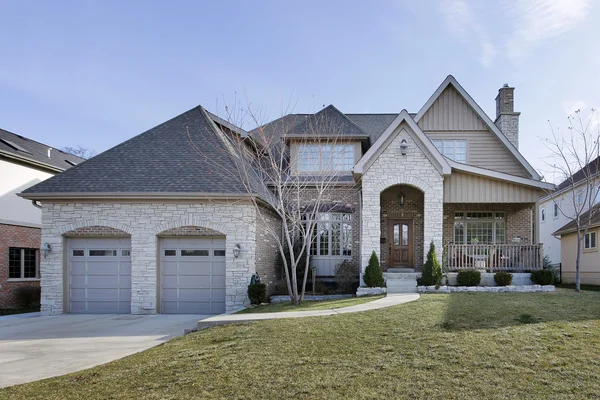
{"x": 190, "y": 231}
{"x": 412, "y": 209}
{"x": 518, "y": 219}
{"x": 392, "y": 168}
{"x": 144, "y": 222}
{"x": 96, "y": 231}
{"x": 267, "y": 249}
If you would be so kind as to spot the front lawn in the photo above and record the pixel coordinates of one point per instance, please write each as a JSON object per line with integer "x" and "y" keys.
{"x": 443, "y": 346}
{"x": 310, "y": 305}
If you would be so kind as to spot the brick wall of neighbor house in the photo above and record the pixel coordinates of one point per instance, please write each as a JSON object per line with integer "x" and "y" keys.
{"x": 15, "y": 236}
{"x": 267, "y": 249}
{"x": 348, "y": 199}
{"x": 518, "y": 219}
{"x": 412, "y": 209}
{"x": 144, "y": 222}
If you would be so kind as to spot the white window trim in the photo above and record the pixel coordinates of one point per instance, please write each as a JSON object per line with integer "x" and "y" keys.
{"x": 316, "y": 245}
{"x": 347, "y": 149}
{"x": 589, "y": 249}
{"x": 465, "y": 221}
{"x": 443, "y": 142}
{"x": 37, "y": 266}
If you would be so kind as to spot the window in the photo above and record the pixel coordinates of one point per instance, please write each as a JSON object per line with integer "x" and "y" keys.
{"x": 325, "y": 157}
{"x": 219, "y": 253}
{"x": 579, "y": 198}
{"x": 453, "y": 149}
{"x": 543, "y": 216}
{"x": 126, "y": 253}
{"x": 23, "y": 263}
{"x": 78, "y": 253}
{"x": 479, "y": 227}
{"x": 102, "y": 253}
{"x": 332, "y": 235}
{"x": 555, "y": 210}
{"x": 194, "y": 253}
{"x": 170, "y": 253}
{"x": 589, "y": 240}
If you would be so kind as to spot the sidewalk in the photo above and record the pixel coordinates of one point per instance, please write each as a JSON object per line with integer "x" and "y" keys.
{"x": 388, "y": 301}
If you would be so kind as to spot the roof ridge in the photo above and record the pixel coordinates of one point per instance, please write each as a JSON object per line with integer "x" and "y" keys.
{"x": 347, "y": 119}
{"x": 40, "y": 143}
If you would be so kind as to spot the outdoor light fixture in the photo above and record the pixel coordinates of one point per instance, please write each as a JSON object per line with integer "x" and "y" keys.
{"x": 46, "y": 249}
{"x": 401, "y": 197}
{"x": 403, "y": 147}
{"x": 237, "y": 249}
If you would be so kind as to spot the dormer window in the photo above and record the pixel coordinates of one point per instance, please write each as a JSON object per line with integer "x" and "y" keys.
{"x": 325, "y": 157}
{"x": 453, "y": 149}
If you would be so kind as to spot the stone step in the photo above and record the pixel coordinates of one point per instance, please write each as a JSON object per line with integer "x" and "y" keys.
{"x": 401, "y": 283}
{"x": 401, "y": 275}
{"x": 400, "y": 270}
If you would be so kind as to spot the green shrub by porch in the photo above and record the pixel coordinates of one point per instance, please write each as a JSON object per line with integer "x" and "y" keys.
{"x": 373, "y": 274}
{"x": 468, "y": 277}
{"x": 257, "y": 293}
{"x": 542, "y": 277}
{"x": 432, "y": 272}
{"x": 503, "y": 278}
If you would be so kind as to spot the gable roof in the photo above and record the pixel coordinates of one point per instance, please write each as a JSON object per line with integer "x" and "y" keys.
{"x": 35, "y": 153}
{"x": 373, "y": 124}
{"x": 428, "y": 148}
{"x": 589, "y": 170}
{"x": 170, "y": 158}
{"x": 571, "y": 226}
{"x": 450, "y": 80}
{"x": 328, "y": 118}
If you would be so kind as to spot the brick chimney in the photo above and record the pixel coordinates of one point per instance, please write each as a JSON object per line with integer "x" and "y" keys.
{"x": 507, "y": 120}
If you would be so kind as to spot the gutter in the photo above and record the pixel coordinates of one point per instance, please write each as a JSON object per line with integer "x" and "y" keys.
{"x": 31, "y": 161}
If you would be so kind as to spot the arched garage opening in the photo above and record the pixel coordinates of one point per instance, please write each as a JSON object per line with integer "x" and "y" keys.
{"x": 192, "y": 270}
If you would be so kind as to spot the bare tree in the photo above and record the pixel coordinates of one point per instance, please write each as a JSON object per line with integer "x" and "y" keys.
{"x": 576, "y": 156}
{"x": 288, "y": 167}
{"x": 79, "y": 151}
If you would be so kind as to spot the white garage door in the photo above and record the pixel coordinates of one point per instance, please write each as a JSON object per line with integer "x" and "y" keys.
{"x": 192, "y": 275}
{"x": 100, "y": 276}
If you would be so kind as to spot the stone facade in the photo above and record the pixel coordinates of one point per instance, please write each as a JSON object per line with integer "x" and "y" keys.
{"x": 145, "y": 222}
{"x": 96, "y": 231}
{"x": 189, "y": 231}
{"x": 392, "y": 168}
{"x": 15, "y": 236}
{"x": 507, "y": 120}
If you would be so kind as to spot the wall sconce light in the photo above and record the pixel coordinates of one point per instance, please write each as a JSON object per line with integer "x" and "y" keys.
{"x": 403, "y": 147}
{"x": 401, "y": 198}
{"x": 237, "y": 249}
{"x": 46, "y": 249}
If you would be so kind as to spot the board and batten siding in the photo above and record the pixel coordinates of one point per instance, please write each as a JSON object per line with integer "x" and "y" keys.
{"x": 450, "y": 117}
{"x": 467, "y": 188}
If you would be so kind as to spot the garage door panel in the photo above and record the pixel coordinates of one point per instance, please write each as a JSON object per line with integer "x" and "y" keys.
{"x": 100, "y": 284}
{"x": 192, "y": 277}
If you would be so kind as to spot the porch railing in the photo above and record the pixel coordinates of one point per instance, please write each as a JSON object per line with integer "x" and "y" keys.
{"x": 495, "y": 257}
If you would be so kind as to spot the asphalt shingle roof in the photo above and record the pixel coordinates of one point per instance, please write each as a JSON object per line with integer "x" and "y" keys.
{"x": 28, "y": 149}
{"x": 328, "y": 121}
{"x": 572, "y": 225}
{"x": 589, "y": 170}
{"x": 184, "y": 154}
{"x": 373, "y": 124}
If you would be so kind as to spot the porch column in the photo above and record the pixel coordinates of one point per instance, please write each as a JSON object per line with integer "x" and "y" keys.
{"x": 371, "y": 230}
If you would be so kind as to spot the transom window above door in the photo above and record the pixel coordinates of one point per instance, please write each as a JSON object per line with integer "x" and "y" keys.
{"x": 325, "y": 157}
{"x": 453, "y": 149}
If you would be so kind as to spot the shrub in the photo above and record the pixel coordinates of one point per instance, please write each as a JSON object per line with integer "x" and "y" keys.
{"x": 322, "y": 288}
{"x": 432, "y": 272}
{"x": 503, "y": 278}
{"x": 542, "y": 277}
{"x": 346, "y": 277}
{"x": 28, "y": 296}
{"x": 257, "y": 293}
{"x": 468, "y": 278}
{"x": 373, "y": 274}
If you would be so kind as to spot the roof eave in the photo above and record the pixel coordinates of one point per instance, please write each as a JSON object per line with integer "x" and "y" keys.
{"x": 500, "y": 175}
{"x": 31, "y": 161}
{"x": 133, "y": 196}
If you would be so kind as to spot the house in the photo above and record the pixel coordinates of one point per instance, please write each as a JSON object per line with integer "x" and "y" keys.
{"x": 149, "y": 227}
{"x": 23, "y": 163}
{"x": 558, "y": 207}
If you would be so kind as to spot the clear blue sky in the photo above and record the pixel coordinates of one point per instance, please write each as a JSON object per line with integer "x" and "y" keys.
{"x": 98, "y": 72}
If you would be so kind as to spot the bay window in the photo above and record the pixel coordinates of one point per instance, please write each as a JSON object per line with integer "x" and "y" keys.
{"x": 479, "y": 228}
{"x": 332, "y": 235}
{"x": 316, "y": 157}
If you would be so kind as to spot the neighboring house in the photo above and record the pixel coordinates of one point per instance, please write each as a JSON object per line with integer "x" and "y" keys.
{"x": 557, "y": 208}
{"x": 590, "y": 258}
{"x": 148, "y": 226}
{"x": 23, "y": 163}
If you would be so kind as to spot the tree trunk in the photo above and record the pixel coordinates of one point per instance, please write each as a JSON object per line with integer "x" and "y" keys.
{"x": 577, "y": 263}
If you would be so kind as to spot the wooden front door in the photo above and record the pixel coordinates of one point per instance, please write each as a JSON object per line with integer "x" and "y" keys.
{"x": 400, "y": 239}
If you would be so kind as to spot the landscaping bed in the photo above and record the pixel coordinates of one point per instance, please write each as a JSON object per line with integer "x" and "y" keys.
{"x": 457, "y": 346}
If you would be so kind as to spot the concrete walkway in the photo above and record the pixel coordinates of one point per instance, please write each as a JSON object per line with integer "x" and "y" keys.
{"x": 388, "y": 301}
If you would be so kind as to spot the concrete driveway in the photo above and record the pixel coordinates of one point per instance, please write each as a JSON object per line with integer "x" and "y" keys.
{"x": 41, "y": 347}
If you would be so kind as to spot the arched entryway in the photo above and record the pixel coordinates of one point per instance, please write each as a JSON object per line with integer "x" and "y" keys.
{"x": 402, "y": 227}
